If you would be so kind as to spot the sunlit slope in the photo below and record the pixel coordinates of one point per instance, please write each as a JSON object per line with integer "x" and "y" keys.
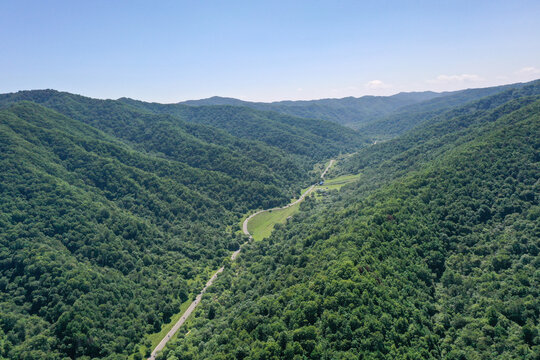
{"x": 439, "y": 262}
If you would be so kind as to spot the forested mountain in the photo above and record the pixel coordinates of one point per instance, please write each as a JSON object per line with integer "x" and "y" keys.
{"x": 187, "y": 133}
{"x": 111, "y": 216}
{"x": 114, "y": 212}
{"x": 408, "y": 117}
{"x": 294, "y": 134}
{"x": 377, "y": 117}
{"x": 433, "y": 253}
{"x": 440, "y": 133}
{"x": 349, "y": 111}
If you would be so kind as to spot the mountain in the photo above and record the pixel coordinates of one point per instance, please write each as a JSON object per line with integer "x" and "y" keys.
{"x": 439, "y": 134}
{"x": 349, "y": 111}
{"x": 291, "y": 145}
{"x": 112, "y": 216}
{"x": 377, "y": 117}
{"x": 114, "y": 213}
{"x": 294, "y": 134}
{"x": 407, "y": 117}
{"x": 433, "y": 253}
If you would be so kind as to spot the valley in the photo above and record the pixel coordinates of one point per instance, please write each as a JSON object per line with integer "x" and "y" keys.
{"x": 270, "y": 180}
{"x": 183, "y": 317}
{"x": 260, "y": 224}
{"x": 382, "y": 266}
{"x": 115, "y": 215}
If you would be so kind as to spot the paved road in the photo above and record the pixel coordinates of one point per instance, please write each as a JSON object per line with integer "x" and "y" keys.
{"x": 184, "y": 317}
{"x": 245, "y": 224}
{"x": 300, "y": 199}
{"x": 234, "y": 255}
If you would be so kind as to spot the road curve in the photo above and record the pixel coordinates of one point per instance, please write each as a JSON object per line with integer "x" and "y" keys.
{"x": 300, "y": 199}
{"x": 234, "y": 255}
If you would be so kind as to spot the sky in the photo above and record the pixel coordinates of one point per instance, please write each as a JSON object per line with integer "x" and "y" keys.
{"x": 169, "y": 51}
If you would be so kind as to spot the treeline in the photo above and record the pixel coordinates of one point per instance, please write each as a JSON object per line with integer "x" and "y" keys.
{"x": 378, "y": 117}
{"x": 349, "y": 111}
{"x": 436, "y": 136}
{"x": 410, "y": 116}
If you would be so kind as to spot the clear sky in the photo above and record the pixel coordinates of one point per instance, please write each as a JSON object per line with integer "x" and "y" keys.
{"x": 168, "y": 51}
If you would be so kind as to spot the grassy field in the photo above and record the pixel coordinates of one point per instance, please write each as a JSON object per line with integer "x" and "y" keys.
{"x": 261, "y": 226}
{"x": 341, "y": 180}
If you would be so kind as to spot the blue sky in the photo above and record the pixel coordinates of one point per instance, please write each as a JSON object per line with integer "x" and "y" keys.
{"x": 169, "y": 51}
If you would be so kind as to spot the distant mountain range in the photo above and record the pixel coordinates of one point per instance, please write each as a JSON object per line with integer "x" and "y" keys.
{"x": 366, "y": 111}
{"x": 349, "y": 111}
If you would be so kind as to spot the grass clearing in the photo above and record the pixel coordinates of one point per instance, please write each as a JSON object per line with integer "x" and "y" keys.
{"x": 335, "y": 184}
{"x": 261, "y": 226}
{"x": 342, "y": 180}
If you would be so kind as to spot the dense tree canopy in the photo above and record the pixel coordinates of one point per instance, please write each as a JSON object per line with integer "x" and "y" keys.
{"x": 440, "y": 261}
{"x": 111, "y": 217}
{"x": 374, "y": 116}
{"x": 113, "y": 213}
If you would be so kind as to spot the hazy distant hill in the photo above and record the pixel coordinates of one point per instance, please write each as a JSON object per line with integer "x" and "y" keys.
{"x": 407, "y": 117}
{"x": 349, "y": 111}
{"x": 291, "y": 133}
{"x": 375, "y": 116}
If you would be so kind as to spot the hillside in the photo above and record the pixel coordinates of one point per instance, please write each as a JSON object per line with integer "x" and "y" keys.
{"x": 349, "y": 111}
{"x": 281, "y": 156}
{"x": 111, "y": 217}
{"x": 116, "y": 212}
{"x": 376, "y": 117}
{"x": 293, "y": 134}
{"x": 407, "y": 117}
{"x": 440, "y": 133}
{"x": 438, "y": 260}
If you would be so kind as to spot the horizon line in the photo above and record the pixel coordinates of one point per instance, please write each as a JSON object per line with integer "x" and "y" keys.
{"x": 268, "y": 102}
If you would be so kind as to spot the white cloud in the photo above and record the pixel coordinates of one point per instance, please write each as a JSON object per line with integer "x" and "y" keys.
{"x": 528, "y": 70}
{"x": 455, "y": 79}
{"x": 376, "y": 85}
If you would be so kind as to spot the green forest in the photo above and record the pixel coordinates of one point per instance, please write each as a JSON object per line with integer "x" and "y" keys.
{"x": 374, "y": 116}
{"x": 111, "y": 217}
{"x": 115, "y": 212}
{"x": 433, "y": 253}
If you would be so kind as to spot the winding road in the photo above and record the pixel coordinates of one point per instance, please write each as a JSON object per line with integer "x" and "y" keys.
{"x": 234, "y": 255}
{"x": 300, "y": 199}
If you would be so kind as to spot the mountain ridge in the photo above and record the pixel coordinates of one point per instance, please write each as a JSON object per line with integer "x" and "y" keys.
{"x": 366, "y": 113}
